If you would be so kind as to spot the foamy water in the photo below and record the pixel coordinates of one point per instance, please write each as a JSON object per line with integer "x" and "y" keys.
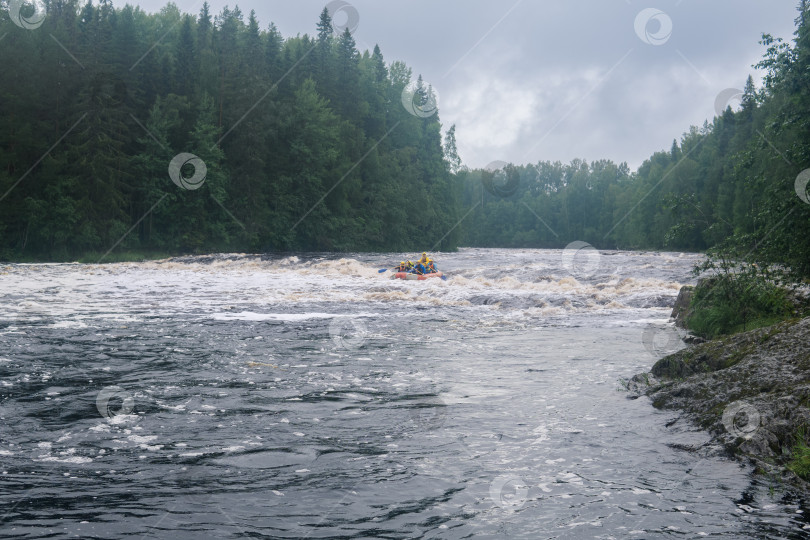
{"x": 507, "y": 284}
{"x": 311, "y": 396}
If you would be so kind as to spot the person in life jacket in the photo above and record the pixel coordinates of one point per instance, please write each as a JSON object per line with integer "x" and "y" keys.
{"x": 424, "y": 259}
{"x": 403, "y": 267}
{"x": 409, "y": 266}
{"x": 431, "y": 267}
{"x": 420, "y": 268}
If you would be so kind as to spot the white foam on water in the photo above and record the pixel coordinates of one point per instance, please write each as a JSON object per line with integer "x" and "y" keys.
{"x": 250, "y": 316}
{"x": 142, "y": 439}
{"x": 70, "y": 459}
{"x": 507, "y": 284}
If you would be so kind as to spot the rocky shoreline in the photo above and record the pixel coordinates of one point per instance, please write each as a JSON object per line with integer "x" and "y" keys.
{"x": 749, "y": 391}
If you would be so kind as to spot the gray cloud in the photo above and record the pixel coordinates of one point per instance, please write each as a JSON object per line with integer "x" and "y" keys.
{"x": 557, "y": 79}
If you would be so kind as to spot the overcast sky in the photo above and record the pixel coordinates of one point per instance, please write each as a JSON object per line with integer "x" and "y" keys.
{"x": 531, "y": 80}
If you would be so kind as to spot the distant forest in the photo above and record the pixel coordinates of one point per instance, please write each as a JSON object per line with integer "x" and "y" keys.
{"x": 734, "y": 183}
{"x": 308, "y": 145}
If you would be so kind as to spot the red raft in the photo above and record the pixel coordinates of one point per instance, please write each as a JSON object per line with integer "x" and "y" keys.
{"x": 409, "y": 276}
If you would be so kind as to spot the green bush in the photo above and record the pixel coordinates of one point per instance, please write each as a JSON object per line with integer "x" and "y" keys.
{"x": 739, "y": 297}
{"x": 800, "y": 464}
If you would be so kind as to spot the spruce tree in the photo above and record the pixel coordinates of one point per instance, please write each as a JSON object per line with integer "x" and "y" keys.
{"x": 451, "y": 151}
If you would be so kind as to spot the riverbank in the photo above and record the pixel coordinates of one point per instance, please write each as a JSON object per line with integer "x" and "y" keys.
{"x": 750, "y": 391}
{"x": 94, "y": 258}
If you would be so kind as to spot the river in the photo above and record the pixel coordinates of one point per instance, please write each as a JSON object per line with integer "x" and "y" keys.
{"x": 309, "y": 396}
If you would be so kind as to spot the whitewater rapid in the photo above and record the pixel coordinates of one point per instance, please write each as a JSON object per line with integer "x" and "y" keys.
{"x": 531, "y": 285}
{"x": 309, "y": 395}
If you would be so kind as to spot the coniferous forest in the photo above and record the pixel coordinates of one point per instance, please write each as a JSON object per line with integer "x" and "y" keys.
{"x": 304, "y": 141}
{"x": 305, "y": 144}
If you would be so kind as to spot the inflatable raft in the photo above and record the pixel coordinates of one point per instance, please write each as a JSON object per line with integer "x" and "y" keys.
{"x": 406, "y": 275}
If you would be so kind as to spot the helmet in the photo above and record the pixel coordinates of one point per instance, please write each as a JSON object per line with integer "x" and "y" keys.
{"x": 401, "y": 262}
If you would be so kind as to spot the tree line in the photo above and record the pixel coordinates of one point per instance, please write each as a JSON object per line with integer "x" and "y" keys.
{"x": 735, "y": 183}
{"x": 300, "y": 143}
{"x": 306, "y": 143}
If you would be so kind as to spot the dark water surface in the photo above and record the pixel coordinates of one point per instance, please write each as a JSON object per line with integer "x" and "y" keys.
{"x": 311, "y": 397}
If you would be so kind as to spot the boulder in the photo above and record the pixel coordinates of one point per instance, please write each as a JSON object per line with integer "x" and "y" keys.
{"x": 751, "y": 391}
{"x": 681, "y": 310}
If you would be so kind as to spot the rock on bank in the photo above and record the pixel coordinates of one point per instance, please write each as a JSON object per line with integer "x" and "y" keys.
{"x": 750, "y": 391}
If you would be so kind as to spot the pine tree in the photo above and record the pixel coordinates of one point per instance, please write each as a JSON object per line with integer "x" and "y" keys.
{"x": 380, "y": 71}
{"x": 185, "y": 68}
{"x": 348, "y": 83}
{"x": 272, "y": 54}
{"x": 325, "y": 29}
{"x": 451, "y": 151}
{"x": 749, "y": 97}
